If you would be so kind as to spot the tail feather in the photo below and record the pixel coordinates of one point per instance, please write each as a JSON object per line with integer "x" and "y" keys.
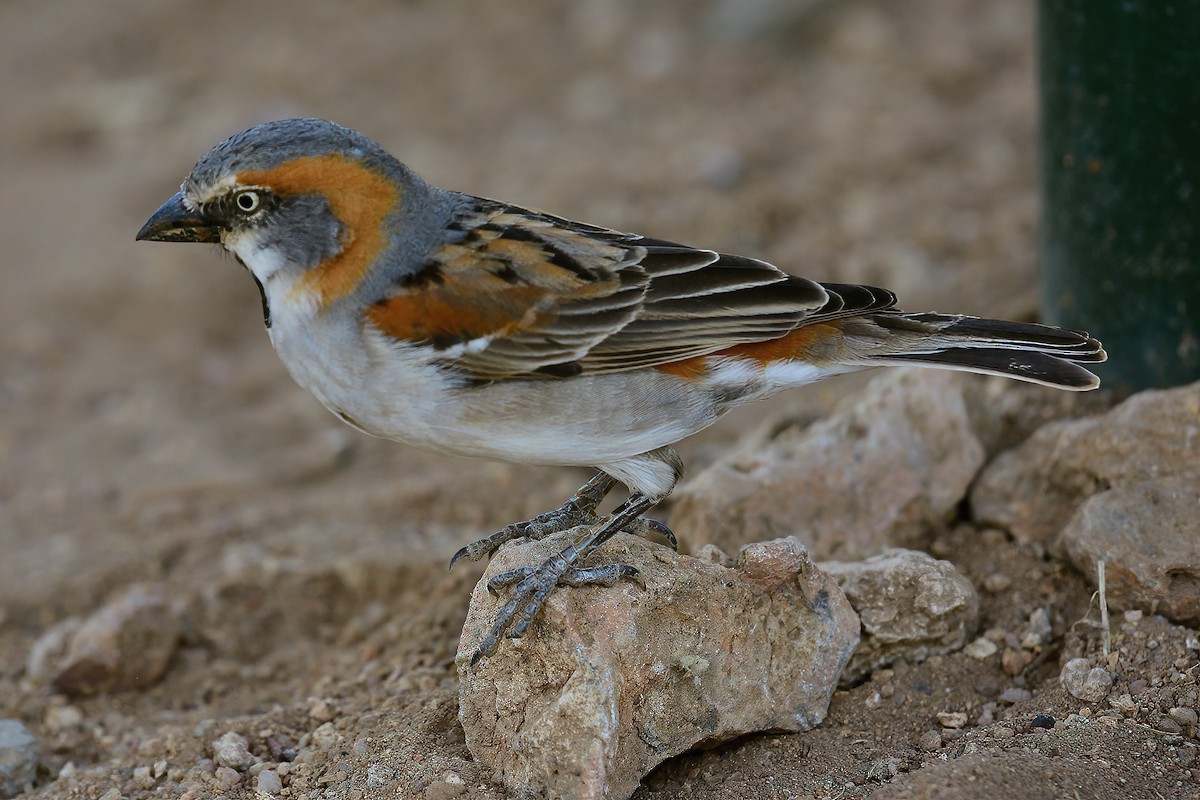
{"x": 1025, "y": 351}
{"x": 1035, "y": 367}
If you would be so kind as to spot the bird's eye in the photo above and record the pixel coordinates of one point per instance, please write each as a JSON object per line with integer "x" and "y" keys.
{"x": 247, "y": 201}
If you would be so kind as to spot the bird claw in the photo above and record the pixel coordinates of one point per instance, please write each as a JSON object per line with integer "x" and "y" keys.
{"x": 534, "y": 584}
{"x": 648, "y": 527}
{"x": 578, "y": 510}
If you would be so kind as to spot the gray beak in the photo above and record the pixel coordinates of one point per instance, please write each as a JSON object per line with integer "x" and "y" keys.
{"x": 173, "y": 222}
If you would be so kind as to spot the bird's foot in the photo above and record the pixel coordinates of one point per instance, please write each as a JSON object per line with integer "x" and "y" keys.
{"x": 534, "y": 583}
{"x": 578, "y": 510}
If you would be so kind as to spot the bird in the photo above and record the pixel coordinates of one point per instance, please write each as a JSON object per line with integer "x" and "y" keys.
{"x": 479, "y": 328}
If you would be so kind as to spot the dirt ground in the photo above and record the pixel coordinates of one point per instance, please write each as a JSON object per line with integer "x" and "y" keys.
{"x": 149, "y": 433}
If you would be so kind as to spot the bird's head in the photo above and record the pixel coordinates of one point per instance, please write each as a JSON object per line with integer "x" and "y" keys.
{"x": 303, "y": 201}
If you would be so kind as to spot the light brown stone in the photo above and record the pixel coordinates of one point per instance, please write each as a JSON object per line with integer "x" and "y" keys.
{"x": 892, "y": 463}
{"x": 1033, "y": 490}
{"x": 1148, "y": 534}
{"x": 127, "y": 644}
{"x": 609, "y": 682}
{"x": 912, "y": 606}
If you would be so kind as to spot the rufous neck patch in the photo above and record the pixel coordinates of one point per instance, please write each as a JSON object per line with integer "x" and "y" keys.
{"x": 360, "y": 198}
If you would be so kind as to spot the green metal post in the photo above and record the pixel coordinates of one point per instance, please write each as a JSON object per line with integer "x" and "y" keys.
{"x": 1120, "y": 105}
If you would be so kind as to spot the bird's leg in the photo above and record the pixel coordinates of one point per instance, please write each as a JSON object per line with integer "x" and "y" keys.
{"x": 580, "y": 509}
{"x": 533, "y": 584}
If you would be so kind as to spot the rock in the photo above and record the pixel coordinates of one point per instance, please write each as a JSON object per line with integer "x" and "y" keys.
{"x": 58, "y": 717}
{"x": 912, "y": 606}
{"x": 227, "y": 777}
{"x": 1015, "y": 694}
{"x": 325, "y": 737}
{"x": 879, "y": 472}
{"x": 1183, "y": 715}
{"x": 1085, "y": 681}
{"x": 142, "y": 777}
{"x": 1033, "y": 490}
{"x": 1125, "y": 704}
{"x": 269, "y": 782}
{"x": 1014, "y": 661}
{"x": 232, "y": 750}
{"x": 952, "y": 719}
{"x": 50, "y": 649}
{"x": 609, "y": 682}
{"x": 981, "y": 648}
{"x": 996, "y": 583}
{"x": 1148, "y": 534}
{"x": 930, "y": 741}
{"x": 1004, "y": 413}
{"x": 19, "y": 754}
{"x": 127, "y": 644}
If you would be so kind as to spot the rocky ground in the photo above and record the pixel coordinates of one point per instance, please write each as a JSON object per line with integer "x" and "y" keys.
{"x": 209, "y": 587}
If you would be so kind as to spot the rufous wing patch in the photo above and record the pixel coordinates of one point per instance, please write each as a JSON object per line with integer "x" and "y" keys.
{"x": 360, "y": 197}
{"x": 456, "y": 310}
{"x": 486, "y": 286}
{"x": 820, "y": 343}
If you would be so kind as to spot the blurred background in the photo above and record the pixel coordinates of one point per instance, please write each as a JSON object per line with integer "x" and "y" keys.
{"x": 147, "y": 430}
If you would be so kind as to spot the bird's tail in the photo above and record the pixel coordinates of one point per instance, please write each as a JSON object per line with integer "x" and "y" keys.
{"x": 1025, "y": 351}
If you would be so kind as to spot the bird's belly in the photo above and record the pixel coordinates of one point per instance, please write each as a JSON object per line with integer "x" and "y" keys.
{"x": 582, "y": 420}
{"x": 394, "y": 391}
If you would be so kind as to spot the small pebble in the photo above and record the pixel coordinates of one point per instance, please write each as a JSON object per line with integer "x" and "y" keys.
{"x": 269, "y": 782}
{"x": 1014, "y": 661}
{"x": 1014, "y": 694}
{"x": 232, "y": 750}
{"x": 142, "y": 777}
{"x": 930, "y": 741}
{"x": 996, "y": 583}
{"x": 227, "y": 777}
{"x": 884, "y": 769}
{"x": 61, "y": 717}
{"x": 1182, "y": 715}
{"x": 1003, "y": 733}
{"x": 1084, "y": 681}
{"x": 1040, "y": 628}
{"x": 1124, "y": 704}
{"x": 19, "y": 754}
{"x": 1042, "y": 721}
{"x": 981, "y": 648}
{"x": 324, "y": 737}
{"x": 952, "y": 719}
{"x": 321, "y": 709}
{"x": 1168, "y": 725}
{"x": 1133, "y": 615}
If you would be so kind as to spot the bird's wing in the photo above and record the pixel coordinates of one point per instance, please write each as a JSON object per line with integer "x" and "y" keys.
{"x": 515, "y": 293}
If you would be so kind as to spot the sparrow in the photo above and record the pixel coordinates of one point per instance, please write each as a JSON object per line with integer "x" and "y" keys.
{"x": 479, "y": 328}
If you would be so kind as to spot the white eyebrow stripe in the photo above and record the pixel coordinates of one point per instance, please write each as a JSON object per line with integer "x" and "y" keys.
{"x": 206, "y": 194}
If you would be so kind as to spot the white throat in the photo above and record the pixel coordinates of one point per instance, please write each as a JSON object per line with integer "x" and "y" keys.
{"x": 287, "y": 299}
